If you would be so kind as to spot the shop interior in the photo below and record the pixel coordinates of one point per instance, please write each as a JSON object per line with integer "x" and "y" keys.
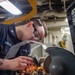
{"x": 59, "y": 18}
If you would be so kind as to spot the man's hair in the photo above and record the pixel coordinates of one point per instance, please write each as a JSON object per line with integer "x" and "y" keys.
{"x": 39, "y": 22}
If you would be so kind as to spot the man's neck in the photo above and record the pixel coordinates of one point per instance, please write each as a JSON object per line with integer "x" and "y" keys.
{"x": 18, "y": 32}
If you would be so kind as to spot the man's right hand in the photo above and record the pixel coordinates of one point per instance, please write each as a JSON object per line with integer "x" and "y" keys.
{"x": 18, "y": 63}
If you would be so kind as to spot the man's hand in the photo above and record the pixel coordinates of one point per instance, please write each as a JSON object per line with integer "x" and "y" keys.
{"x": 18, "y": 63}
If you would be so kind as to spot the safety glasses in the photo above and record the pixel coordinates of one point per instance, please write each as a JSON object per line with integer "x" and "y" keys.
{"x": 36, "y": 33}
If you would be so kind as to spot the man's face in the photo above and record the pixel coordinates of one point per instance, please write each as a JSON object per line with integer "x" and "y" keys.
{"x": 34, "y": 33}
{"x": 38, "y": 33}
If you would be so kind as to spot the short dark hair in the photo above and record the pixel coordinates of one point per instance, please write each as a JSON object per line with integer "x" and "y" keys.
{"x": 39, "y": 22}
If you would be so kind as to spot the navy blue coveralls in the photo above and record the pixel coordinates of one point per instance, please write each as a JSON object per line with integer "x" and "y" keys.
{"x": 9, "y": 38}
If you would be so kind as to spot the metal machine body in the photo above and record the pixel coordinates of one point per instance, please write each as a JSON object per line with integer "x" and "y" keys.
{"x": 59, "y": 62}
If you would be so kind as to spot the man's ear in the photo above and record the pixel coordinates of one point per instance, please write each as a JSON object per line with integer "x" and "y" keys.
{"x": 29, "y": 24}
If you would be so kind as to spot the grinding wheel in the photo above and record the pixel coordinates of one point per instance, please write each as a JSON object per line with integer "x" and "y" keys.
{"x": 59, "y": 62}
{"x": 47, "y": 63}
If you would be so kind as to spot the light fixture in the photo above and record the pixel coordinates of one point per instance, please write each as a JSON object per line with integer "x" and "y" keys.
{"x": 10, "y": 7}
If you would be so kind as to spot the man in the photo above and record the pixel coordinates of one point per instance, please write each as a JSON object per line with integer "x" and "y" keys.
{"x": 11, "y": 35}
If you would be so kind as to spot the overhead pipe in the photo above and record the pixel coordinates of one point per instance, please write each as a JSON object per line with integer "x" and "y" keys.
{"x": 64, "y": 6}
{"x": 50, "y": 5}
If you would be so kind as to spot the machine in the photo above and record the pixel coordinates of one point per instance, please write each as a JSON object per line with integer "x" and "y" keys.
{"x": 58, "y": 62}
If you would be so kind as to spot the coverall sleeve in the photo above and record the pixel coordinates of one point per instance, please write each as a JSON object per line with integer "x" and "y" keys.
{"x": 3, "y": 31}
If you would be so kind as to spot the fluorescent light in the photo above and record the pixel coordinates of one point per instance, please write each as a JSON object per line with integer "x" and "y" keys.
{"x": 10, "y": 7}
